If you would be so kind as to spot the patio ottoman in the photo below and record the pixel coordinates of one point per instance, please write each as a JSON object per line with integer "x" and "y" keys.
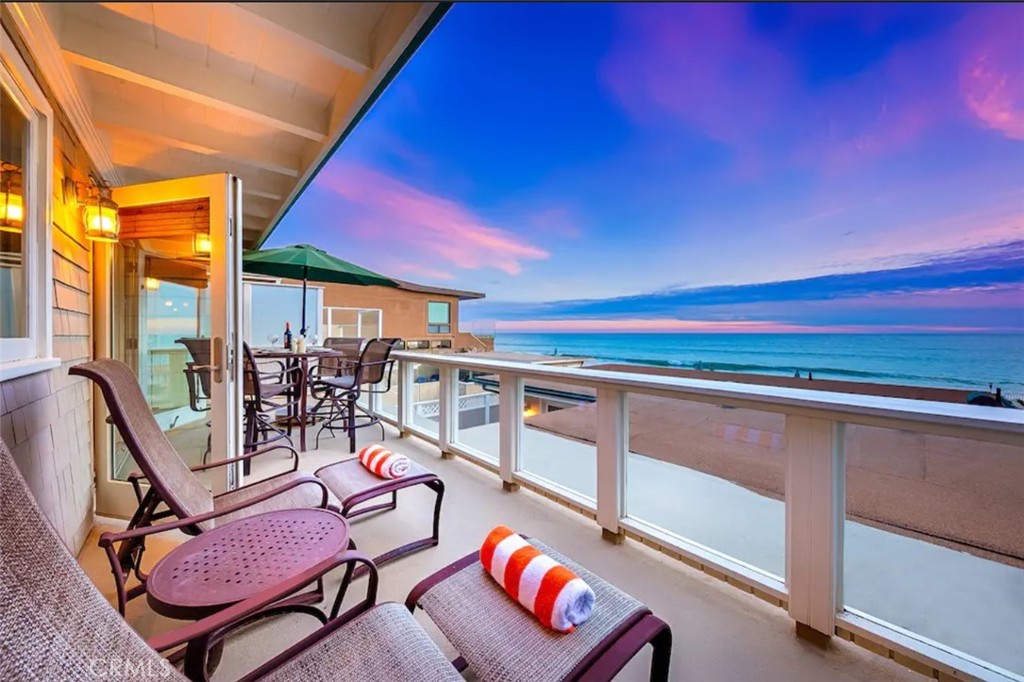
{"x": 354, "y": 485}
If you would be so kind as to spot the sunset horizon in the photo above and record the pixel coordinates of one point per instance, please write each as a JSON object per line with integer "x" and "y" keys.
{"x": 866, "y": 173}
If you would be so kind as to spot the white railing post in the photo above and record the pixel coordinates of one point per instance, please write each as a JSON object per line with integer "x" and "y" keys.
{"x": 612, "y": 446}
{"x": 447, "y": 409}
{"x": 510, "y": 428}
{"x": 404, "y": 407}
{"x": 815, "y": 513}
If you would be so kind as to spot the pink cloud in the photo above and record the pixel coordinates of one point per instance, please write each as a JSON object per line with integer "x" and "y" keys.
{"x": 992, "y": 70}
{"x": 993, "y": 223}
{"x": 414, "y": 270}
{"x": 389, "y": 209}
{"x": 699, "y": 63}
{"x": 704, "y": 326}
{"x": 704, "y": 67}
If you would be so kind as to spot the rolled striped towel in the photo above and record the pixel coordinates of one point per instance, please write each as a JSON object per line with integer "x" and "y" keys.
{"x": 381, "y": 461}
{"x": 555, "y": 595}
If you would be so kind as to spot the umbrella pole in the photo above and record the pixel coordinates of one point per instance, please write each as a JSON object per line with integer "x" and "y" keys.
{"x": 305, "y": 275}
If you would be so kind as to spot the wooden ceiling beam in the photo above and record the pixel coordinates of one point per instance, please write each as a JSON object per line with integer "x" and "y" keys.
{"x": 169, "y": 131}
{"x": 343, "y": 41}
{"x": 87, "y": 46}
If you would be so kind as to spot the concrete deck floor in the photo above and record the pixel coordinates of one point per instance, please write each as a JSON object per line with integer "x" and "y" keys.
{"x": 721, "y": 633}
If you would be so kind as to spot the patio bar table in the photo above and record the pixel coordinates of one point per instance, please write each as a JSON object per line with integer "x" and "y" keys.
{"x": 302, "y": 360}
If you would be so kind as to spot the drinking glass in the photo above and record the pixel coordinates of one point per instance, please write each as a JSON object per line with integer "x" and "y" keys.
{"x": 273, "y": 339}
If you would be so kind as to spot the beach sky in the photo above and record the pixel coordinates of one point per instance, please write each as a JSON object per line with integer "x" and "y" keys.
{"x": 775, "y": 167}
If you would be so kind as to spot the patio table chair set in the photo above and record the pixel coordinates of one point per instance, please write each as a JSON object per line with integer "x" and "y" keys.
{"x": 350, "y": 369}
{"x": 56, "y": 619}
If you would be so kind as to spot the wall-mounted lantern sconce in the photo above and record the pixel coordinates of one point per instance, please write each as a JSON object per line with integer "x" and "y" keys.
{"x": 99, "y": 211}
{"x": 12, "y": 203}
{"x": 201, "y": 245}
{"x": 100, "y": 214}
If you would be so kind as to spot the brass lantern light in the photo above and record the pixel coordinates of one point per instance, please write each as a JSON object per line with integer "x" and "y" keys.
{"x": 201, "y": 244}
{"x": 100, "y": 215}
{"x": 12, "y": 203}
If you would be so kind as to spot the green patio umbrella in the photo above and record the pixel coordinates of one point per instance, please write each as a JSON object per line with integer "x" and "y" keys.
{"x": 305, "y": 262}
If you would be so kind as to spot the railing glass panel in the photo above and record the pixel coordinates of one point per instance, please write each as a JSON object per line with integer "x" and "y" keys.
{"x": 425, "y": 403}
{"x": 710, "y": 474}
{"x": 558, "y": 439}
{"x": 477, "y": 416}
{"x": 933, "y": 539}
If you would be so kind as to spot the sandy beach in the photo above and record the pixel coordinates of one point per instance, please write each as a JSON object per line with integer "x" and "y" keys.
{"x": 958, "y": 493}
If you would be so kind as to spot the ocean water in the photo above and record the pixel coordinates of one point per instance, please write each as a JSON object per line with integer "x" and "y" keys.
{"x": 961, "y": 361}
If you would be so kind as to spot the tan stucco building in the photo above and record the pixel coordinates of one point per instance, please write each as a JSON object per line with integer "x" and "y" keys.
{"x": 425, "y": 317}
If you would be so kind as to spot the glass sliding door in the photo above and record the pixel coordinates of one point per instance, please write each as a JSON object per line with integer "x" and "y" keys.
{"x": 174, "y": 319}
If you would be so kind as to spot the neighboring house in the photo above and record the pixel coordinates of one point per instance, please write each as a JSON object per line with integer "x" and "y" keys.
{"x": 425, "y": 317}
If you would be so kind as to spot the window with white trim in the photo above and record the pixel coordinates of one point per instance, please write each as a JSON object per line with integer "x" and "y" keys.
{"x": 26, "y": 153}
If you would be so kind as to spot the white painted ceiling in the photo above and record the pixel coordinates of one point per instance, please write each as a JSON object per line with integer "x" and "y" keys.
{"x": 261, "y": 90}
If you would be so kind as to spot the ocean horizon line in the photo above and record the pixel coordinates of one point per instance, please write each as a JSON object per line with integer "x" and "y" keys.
{"x": 702, "y": 332}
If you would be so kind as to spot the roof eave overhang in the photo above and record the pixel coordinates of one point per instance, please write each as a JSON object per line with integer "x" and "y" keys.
{"x": 432, "y": 17}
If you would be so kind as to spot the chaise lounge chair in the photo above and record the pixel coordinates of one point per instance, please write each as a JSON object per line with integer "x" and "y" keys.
{"x": 175, "y": 485}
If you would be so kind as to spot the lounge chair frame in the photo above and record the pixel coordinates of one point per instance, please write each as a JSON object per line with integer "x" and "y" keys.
{"x": 600, "y": 664}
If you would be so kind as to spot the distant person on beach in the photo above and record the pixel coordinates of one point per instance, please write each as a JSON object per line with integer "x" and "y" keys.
{"x": 810, "y": 376}
{"x": 796, "y": 374}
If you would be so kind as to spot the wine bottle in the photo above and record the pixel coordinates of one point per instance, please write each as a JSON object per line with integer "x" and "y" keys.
{"x": 287, "y": 336}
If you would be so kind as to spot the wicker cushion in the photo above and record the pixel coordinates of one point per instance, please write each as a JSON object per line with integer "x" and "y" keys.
{"x": 349, "y": 477}
{"x": 385, "y": 644}
{"x": 306, "y": 495}
{"x": 469, "y": 607}
{"x": 55, "y": 623}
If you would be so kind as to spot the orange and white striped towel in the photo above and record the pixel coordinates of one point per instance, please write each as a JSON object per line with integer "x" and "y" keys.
{"x": 557, "y": 596}
{"x": 383, "y": 462}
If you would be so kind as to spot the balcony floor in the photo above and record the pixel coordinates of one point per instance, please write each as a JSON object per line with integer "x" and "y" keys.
{"x": 721, "y": 633}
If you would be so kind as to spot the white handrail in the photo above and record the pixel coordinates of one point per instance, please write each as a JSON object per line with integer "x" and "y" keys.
{"x": 965, "y": 421}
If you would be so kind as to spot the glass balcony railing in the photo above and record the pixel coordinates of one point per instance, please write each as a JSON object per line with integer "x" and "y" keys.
{"x": 896, "y": 521}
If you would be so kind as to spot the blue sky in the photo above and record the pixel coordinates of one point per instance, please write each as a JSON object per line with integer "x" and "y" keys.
{"x": 697, "y": 167}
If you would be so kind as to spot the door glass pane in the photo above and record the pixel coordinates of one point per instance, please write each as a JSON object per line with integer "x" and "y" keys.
{"x": 14, "y": 141}
{"x": 274, "y": 305}
{"x": 162, "y": 331}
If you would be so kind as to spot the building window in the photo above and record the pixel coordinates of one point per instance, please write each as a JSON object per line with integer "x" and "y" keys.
{"x": 439, "y": 317}
{"x": 26, "y": 153}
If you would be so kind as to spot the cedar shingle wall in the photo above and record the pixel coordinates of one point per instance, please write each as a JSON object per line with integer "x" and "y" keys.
{"x": 46, "y": 418}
